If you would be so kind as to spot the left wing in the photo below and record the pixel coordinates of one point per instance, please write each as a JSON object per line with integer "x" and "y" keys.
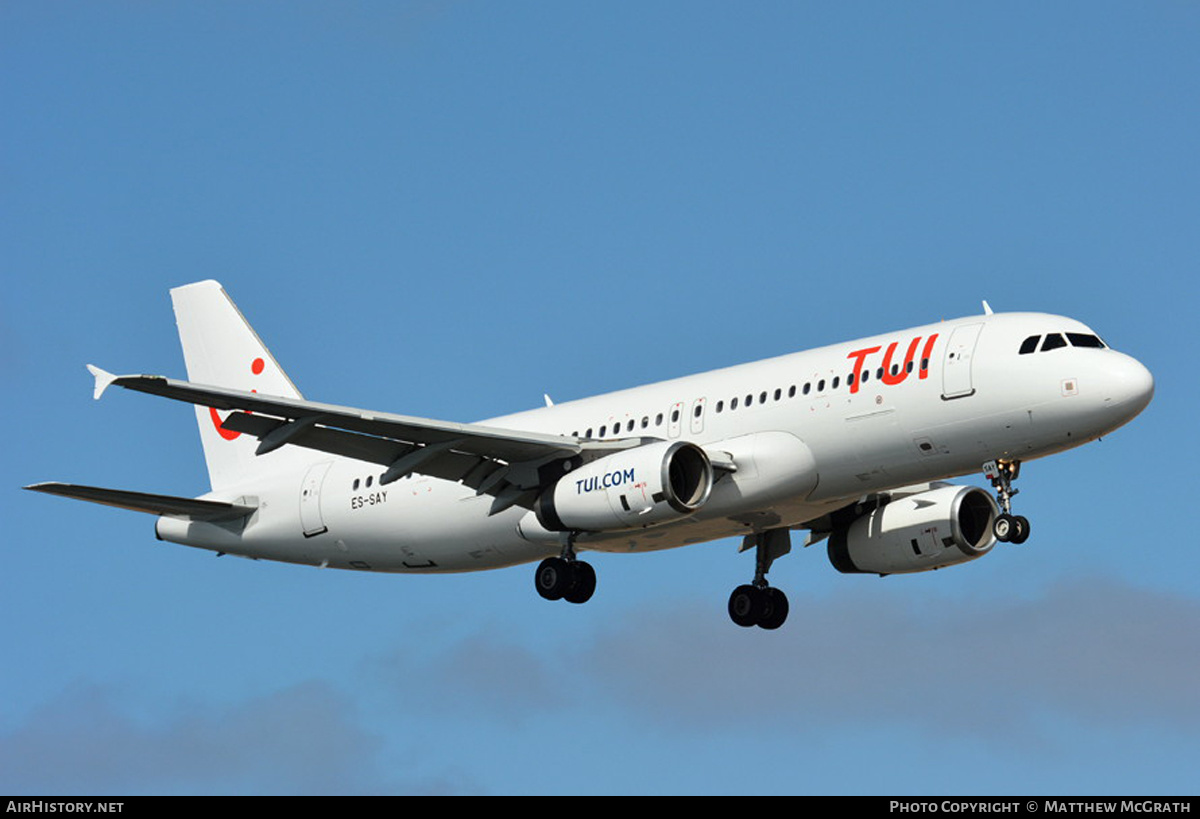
{"x": 510, "y": 464}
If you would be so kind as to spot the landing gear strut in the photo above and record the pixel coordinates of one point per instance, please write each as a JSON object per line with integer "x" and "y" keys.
{"x": 757, "y": 603}
{"x": 1008, "y": 528}
{"x": 566, "y": 577}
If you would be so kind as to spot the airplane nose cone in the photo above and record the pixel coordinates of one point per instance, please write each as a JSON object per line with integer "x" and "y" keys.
{"x": 1130, "y": 386}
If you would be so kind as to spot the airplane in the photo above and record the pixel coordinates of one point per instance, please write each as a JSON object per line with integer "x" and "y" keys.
{"x": 851, "y": 444}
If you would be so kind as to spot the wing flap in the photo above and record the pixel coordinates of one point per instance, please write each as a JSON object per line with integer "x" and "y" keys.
{"x": 385, "y": 452}
{"x": 382, "y": 451}
{"x": 169, "y": 505}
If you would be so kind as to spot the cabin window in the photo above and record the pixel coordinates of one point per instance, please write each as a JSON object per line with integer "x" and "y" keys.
{"x": 355, "y": 487}
{"x": 821, "y": 385}
{"x": 696, "y": 412}
{"x": 762, "y": 397}
{"x": 778, "y": 394}
{"x": 792, "y": 391}
{"x": 749, "y": 400}
{"x": 369, "y": 481}
{"x": 807, "y": 387}
{"x": 629, "y": 426}
{"x": 674, "y": 416}
{"x": 645, "y": 421}
{"x": 658, "y": 420}
{"x": 733, "y": 403}
{"x": 603, "y": 430}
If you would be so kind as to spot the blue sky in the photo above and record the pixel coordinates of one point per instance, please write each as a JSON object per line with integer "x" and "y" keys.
{"x": 448, "y": 209}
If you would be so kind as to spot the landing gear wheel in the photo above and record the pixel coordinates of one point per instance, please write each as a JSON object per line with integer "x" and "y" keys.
{"x": 746, "y": 605}
{"x": 1021, "y": 530}
{"x": 776, "y": 609}
{"x": 764, "y": 607}
{"x": 1005, "y": 527}
{"x": 565, "y": 577}
{"x": 553, "y": 578}
{"x": 584, "y": 582}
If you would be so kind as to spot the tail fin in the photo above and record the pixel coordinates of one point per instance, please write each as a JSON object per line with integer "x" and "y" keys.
{"x": 221, "y": 349}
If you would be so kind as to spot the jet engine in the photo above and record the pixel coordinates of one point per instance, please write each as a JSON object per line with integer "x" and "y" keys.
{"x": 644, "y": 486}
{"x": 916, "y": 533}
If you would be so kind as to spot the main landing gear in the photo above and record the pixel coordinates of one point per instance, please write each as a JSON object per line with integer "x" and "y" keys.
{"x": 757, "y": 603}
{"x": 1008, "y": 528}
{"x": 566, "y": 577}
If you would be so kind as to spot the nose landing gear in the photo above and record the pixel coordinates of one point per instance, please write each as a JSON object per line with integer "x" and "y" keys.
{"x": 1008, "y": 528}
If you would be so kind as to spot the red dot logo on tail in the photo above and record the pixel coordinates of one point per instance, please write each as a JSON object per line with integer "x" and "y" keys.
{"x": 256, "y": 367}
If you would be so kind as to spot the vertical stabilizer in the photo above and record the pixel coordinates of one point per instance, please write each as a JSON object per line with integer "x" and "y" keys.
{"x": 221, "y": 349}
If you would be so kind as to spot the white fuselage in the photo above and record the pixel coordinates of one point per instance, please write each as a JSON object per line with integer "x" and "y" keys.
{"x": 806, "y": 432}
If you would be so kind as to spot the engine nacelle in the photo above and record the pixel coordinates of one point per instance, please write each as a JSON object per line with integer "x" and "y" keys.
{"x": 916, "y": 533}
{"x": 644, "y": 486}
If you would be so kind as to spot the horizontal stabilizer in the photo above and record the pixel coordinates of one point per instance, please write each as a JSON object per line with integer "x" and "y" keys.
{"x": 169, "y": 505}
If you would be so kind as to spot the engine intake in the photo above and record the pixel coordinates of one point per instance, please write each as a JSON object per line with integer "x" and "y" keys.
{"x": 644, "y": 486}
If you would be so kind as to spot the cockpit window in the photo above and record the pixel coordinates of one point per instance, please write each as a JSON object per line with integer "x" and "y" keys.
{"x": 1053, "y": 342}
{"x": 1084, "y": 340}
